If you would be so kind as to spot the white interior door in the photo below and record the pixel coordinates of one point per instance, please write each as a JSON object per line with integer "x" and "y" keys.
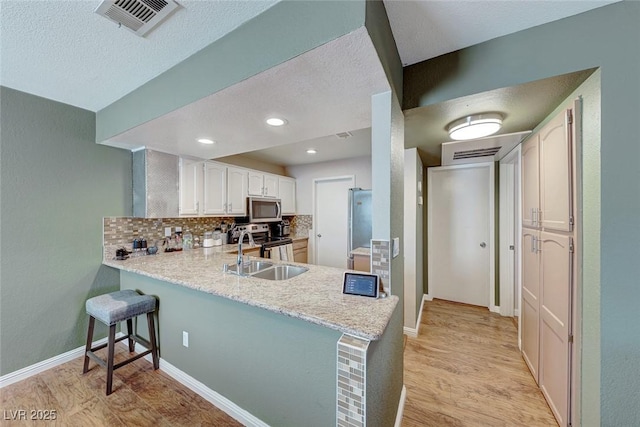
{"x": 555, "y": 322}
{"x": 330, "y": 221}
{"x": 460, "y": 232}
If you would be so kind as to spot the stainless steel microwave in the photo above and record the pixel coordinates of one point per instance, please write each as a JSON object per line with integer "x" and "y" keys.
{"x": 262, "y": 209}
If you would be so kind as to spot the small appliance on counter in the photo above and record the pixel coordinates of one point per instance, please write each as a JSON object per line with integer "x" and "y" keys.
{"x": 281, "y": 229}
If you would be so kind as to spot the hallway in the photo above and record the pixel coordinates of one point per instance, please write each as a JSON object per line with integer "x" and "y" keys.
{"x": 465, "y": 369}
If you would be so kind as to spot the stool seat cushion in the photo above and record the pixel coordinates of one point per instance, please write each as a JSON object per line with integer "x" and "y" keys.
{"x": 117, "y": 306}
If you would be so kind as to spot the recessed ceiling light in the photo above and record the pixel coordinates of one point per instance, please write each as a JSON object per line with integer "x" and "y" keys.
{"x": 275, "y": 121}
{"x": 206, "y": 141}
{"x": 475, "y": 126}
{"x": 311, "y": 151}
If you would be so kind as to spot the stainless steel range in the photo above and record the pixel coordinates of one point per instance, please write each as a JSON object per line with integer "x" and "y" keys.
{"x": 261, "y": 236}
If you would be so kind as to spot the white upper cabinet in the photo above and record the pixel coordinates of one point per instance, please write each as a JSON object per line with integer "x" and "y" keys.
{"x": 215, "y": 189}
{"x": 255, "y": 183}
{"x": 262, "y": 184}
{"x": 236, "y": 191}
{"x": 190, "y": 186}
{"x": 547, "y": 176}
{"x": 287, "y": 191}
{"x": 555, "y": 174}
{"x": 530, "y": 182}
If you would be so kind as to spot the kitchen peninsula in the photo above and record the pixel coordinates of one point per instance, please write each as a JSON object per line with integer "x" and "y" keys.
{"x": 290, "y": 352}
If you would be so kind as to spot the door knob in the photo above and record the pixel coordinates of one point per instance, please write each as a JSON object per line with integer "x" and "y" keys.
{"x": 319, "y": 235}
{"x": 483, "y": 245}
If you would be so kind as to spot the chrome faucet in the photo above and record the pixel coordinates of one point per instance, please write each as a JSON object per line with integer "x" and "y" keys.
{"x": 240, "y": 261}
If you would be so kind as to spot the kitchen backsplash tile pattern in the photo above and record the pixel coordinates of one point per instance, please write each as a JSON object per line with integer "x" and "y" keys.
{"x": 301, "y": 224}
{"x": 122, "y": 230}
{"x": 352, "y": 378}
{"x": 381, "y": 262}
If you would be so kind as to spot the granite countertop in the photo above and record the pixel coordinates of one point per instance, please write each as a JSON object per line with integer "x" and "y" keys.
{"x": 361, "y": 251}
{"x": 315, "y": 296}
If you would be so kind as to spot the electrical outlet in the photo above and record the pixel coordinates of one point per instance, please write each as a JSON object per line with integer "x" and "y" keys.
{"x": 185, "y": 338}
{"x": 167, "y": 232}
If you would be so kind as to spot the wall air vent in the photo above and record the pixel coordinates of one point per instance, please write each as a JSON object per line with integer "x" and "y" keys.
{"x": 139, "y": 16}
{"x": 482, "y": 152}
{"x": 344, "y": 135}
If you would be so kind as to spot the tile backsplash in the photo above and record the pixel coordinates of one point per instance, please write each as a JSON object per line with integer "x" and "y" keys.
{"x": 122, "y": 230}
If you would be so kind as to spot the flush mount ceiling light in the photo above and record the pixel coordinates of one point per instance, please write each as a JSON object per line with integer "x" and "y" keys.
{"x": 276, "y": 121}
{"x": 206, "y": 141}
{"x": 311, "y": 151}
{"x": 475, "y": 126}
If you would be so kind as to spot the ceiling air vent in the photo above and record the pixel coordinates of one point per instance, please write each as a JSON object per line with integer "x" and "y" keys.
{"x": 469, "y": 154}
{"x": 344, "y": 135}
{"x": 140, "y": 16}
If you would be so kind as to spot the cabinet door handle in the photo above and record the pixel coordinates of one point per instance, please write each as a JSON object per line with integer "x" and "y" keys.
{"x": 230, "y": 207}
{"x": 224, "y": 207}
{"x": 533, "y": 244}
{"x": 197, "y": 206}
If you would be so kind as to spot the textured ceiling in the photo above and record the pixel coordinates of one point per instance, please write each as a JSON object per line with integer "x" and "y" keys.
{"x": 523, "y": 108}
{"x": 316, "y": 97}
{"x": 429, "y": 28}
{"x": 63, "y": 51}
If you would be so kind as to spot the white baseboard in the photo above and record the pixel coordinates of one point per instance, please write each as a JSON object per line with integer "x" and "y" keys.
{"x": 36, "y": 368}
{"x": 516, "y": 312}
{"x": 400, "y": 413}
{"x": 494, "y": 309}
{"x": 215, "y": 398}
{"x": 413, "y": 332}
{"x": 427, "y": 297}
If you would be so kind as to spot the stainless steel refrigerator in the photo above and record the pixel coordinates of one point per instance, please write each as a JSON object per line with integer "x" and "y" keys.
{"x": 359, "y": 221}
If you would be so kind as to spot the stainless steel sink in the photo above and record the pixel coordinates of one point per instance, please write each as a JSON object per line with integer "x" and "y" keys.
{"x": 250, "y": 267}
{"x": 280, "y": 272}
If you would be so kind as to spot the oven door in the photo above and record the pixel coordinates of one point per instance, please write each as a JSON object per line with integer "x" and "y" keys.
{"x": 264, "y": 210}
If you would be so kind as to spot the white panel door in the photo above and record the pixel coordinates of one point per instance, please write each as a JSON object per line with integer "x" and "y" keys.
{"x": 530, "y": 307}
{"x": 555, "y": 173}
{"x": 236, "y": 191}
{"x": 460, "y": 221}
{"x": 530, "y": 182}
{"x": 555, "y": 322}
{"x": 190, "y": 186}
{"x": 215, "y": 189}
{"x": 331, "y": 206}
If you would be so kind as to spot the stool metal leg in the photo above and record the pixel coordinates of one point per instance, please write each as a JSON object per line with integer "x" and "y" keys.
{"x": 111, "y": 350}
{"x": 152, "y": 338}
{"x": 92, "y": 322}
{"x": 130, "y": 334}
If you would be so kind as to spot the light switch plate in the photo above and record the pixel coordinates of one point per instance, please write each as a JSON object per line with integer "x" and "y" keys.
{"x": 396, "y": 246}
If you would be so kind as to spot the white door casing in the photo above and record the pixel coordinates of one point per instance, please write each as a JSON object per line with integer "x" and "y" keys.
{"x": 330, "y": 220}
{"x": 530, "y": 181}
{"x": 460, "y": 223}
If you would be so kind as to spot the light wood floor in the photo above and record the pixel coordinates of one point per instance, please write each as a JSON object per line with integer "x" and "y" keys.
{"x": 141, "y": 397}
{"x": 465, "y": 369}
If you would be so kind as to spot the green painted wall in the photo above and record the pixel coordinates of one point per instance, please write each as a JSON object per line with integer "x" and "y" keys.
{"x": 57, "y": 184}
{"x": 609, "y": 38}
{"x": 284, "y": 31}
{"x": 280, "y": 369}
{"x": 379, "y": 29}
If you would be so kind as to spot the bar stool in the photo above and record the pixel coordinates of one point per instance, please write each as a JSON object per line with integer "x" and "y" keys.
{"x": 117, "y": 307}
